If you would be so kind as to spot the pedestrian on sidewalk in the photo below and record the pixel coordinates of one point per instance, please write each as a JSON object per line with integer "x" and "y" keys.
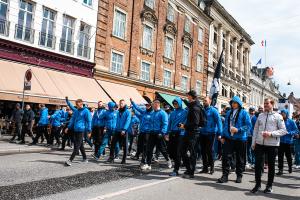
{"x": 121, "y": 135}
{"x": 268, "y": 129}
{"x": 286, "y": 143}
{"x": 27, "y": 123}
{"x": 56, "y": 121}
{"x": 234, "y": 139}
{"x": 42, "y": 124}
{"x": 16, "y": 118}
{"x": 176, "y": 134}
{"x": 208, "y": 134}
{"x": 80, "y": 123}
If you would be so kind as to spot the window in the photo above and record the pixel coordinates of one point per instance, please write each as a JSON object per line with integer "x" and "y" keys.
{"x": 25, "y": 21}
{"x": 169, "y": 47}
{"x": 167, "y": 78}
{"x": 184, "y": 83}
{"x": 66, "y": 39}
{"x": 199, "y": 63}
{"x": 87, "y": 2}
{"x": 84, "y": 40}
{"x": 187, "y": 25}
{"x": 116, "y": 63}
{"x": 119, "y": 24}
{"x": 215, "y": 35}
{"x": 231, "y": 47}
{"x": 200, "y": 35}
{"x": 198, "y": 87}
{"x": 3, "y": 17}
{"x": 170, "y": 13}
{"x": 47, "y": 38}
{"x": 150, "y": 3}
{"x": 145, "y": 71}
{"x": 186, "y": 56}
{"x": 147, "y": 37}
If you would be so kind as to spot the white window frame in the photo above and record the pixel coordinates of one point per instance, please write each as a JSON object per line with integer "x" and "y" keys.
{"x": 164, "y": 80}
{"x": 198, "y": 90}
{"x": 26, "y": 13}
{"x": 141, "y": 68}
{"x": 171, "y": 56}
{"x": 88, "y": 3}
{"x": 181, "y": 83}
{"x": 150, "y": 1}
{"x": 183, "y": 56}
{"x": 170, "y": 13}
{"x": 144, "y": 40}
{"x": 117, "y": 9}
{"x": 46, "y": 34}
{"x": 111, "y": 62}
{"x": 200, "y": 30}
{"x": 187, "y": 25}
{"x": 199, "y": 67}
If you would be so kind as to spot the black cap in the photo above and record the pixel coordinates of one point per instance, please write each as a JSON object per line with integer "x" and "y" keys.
{"x": 192, "y": 93}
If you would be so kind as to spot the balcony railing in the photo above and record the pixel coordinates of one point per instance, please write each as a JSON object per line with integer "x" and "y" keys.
{"x": 4, "y": 27}
{"x": 47, "y": 40}
{"x": 24, "y": 33}
{"x": 66, "y": 46}
{"x": 83, "y": 51}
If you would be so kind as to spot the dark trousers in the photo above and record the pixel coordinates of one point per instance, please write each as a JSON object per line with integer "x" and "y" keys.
{"x": 26, "y": 129}
{"x": 207, "y": 150}
{"x": 42, "y": 131}
{"x": 131, "y": 140}
{"x": 188, "y": 152}
{"x": 285, "y": 149}
{"x": 66, "y": 137}
{"x": 97, "y": 134}
{"x": 260, "y": 152}
{"x": 123, "y": 142}
{"x": 18, "y": 128}
{"x": 250, "y": 152}
{"x": 78, "y": 145}
{"x": 55, "y": 133}
{"x": 145, "y": 141}
{"x": 229, "y": 147}
{"x": 155, "y": 140}
{"x": 175, "y": 148}
{"x": 140, "y": 144}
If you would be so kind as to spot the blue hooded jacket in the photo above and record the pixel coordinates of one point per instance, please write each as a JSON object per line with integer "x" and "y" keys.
{"x": 44, "y": 121}
{"x": 134, "y": 125}
{"x": 177, "y": 116}
{"x": 123, "y": 119}
{"x": 110, "y": 117}
{"x": 98, "y": 120}
{"x": 81, "y": 121}
{"x": 213, "y": 123}
{"x": 291, "y": 128}
{"x": 57, "y": 118}
{"x": 241, "y": 121}
{"x": 253, "y": 121}
{"x": 146, "y": 125}
{"x": 160, "y": 122}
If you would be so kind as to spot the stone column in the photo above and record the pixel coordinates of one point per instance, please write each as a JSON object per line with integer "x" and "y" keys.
{"x": 234, "y": 62}
{"x": 227, "y": 51}
{"x": 241, "y": 64}
{"x": 220, "y": 40}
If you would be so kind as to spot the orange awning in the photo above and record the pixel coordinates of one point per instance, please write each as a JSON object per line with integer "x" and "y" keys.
{"x": 47, "y": 86}
{"x": 118, "y": 92}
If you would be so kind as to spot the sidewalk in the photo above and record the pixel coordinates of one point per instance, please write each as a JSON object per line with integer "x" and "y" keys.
{"x": 13, "y": 148}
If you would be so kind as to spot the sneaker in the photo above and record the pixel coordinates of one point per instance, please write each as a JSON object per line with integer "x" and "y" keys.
{"x": 223, "y": 179}
{"x": 238, "y": 179}
{"x": 169, "y": 164}
{"x": 279, "y": 173}
{"x": 212, "y": 171}
{"x": 174, "y": 173}
{"x": 203, "y": 171}
{"x": 85, "y": 161}
{"x": 290, "y": 170}
{"x": 95, "y": 157}
{"x": 117, "y": 158}
{"x": 188, "y": 176}
{"x": 255, "y": 189}
{"x": 110, "y": 160}
{"x": 134, "y": 158}
{"x": 268, "y": 190}
{"x": 253, "y": 166}
{"x": 145, "y": 167}
{"x": 68, "y": 163}
{"x": 297, "y": 167}
{"x": 155, "y": 160}
{"x": 21, "y": 142}
{"x": 248, "y": 166}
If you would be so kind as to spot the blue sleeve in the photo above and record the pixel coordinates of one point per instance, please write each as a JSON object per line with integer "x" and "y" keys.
{"x": 225, "y": 127}
{"x": 294, "y": 129}
{"x": 169, "y": 122}
{"x": 164, "y": 118}
{"x": 89, "y": 121}
{"x": 127, "y": 121}
{"x": 94, "y": 120}
{"x": 136, "y": 107}
{"x": 71, "y": 124}
{"x": 247, "y": 124}
{"x": 219, "y": 123}
{"x": 71, "y": 105}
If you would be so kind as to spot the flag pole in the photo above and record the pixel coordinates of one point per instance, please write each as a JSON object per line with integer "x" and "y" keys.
{"x": 265, "y": 54}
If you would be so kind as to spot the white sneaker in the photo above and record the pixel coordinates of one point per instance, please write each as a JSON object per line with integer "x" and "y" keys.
{"x": 169, "y": 164}
{"x": 68, "y": 163}
{"x": 297, "y": 167}
{"x": 145, "y": 167}
{"x": 85, "y": 161}
{"x": 248, "y": 166}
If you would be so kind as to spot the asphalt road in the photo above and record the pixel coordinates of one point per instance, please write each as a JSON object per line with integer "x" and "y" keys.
{"x": 43, "y": 176}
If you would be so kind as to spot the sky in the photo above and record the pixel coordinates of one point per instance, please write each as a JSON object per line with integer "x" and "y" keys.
{"x": 278, "y": 22}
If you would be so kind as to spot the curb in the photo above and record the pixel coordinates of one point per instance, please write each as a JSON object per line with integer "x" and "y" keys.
{"x": 22, "y": 150}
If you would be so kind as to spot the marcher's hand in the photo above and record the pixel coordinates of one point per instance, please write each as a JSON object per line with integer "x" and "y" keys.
{"x": 297, "y": 136}
{"x": 166, "y": 137}
{"x": 66, "y": 130}
{"x": 219, "y": 138}
{"x": 233, "y": 130}
{"x": 181, "y": 126}
{"x": 130, "y": 99}
{"x": 253, "y": 147}
{"x": 222, "y": 140}
{"x": 67, "y": 98}
{"x": 89, "y": 134}
{"x": 266, "y": 134}
{"x": 49, "y": 116}
{"x": 122, "y": 132}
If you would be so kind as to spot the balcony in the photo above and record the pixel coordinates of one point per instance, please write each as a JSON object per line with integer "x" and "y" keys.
{"x": 47, "y": 40}
{"x": 24, "y": 33}
{"x": 66, "y": 46}
{"x": 4, "y": 27}
{"x": 83, "y": 51}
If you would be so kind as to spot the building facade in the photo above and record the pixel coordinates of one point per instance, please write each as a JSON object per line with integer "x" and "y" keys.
{"x": 153, "y": 45}
{"x": 228, "y": 36}
{"x": 262, "y": 89}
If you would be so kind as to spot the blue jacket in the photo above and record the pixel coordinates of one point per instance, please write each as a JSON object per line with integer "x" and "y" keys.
{"x": 98, "y": 120}
{"x": 160, "y": 122}
{"x": 241, "y": 121}
{"x": 81, "y": 121}
{"x": 57, "y": 118}
{"x": 110, "y": 117}
{"x": 146, "y": 125}
{"x": 177, "y": 116}
{"x": 253, "y": 121}
{"x": 213, "y": 123}
{"x": 291, "y": 128}
{"x": 134, "y": 125}
{"x": 44, "y": 121}
{"x": 123, "y": 119}
{"x": 72, "y": 107}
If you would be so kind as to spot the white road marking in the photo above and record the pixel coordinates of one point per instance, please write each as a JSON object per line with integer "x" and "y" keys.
{"x": 113, "y": 194}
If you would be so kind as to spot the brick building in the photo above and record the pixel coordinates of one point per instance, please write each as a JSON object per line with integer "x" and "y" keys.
{"x": 155, "y": 46}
